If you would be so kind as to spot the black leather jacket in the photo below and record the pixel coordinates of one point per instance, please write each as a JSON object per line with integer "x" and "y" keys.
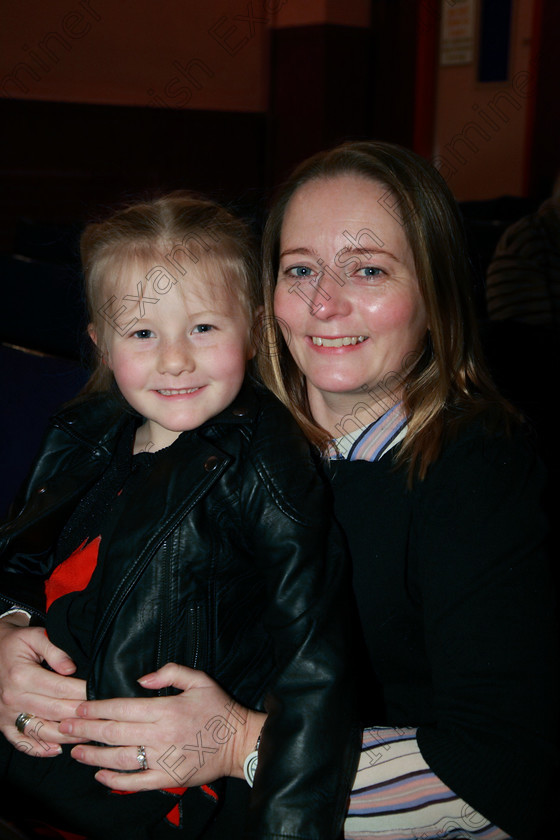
{"x": 227, "y": 561}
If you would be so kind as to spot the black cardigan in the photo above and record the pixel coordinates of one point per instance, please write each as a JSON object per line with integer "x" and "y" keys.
{"x": 452, "y": 586}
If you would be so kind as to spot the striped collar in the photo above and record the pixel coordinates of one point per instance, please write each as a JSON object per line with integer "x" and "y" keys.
{"x": 373, "y": 441}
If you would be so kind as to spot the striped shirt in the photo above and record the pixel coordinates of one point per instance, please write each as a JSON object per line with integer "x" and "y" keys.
{"x": 396, "y": 796}
{"x": 370, "y": 443}
{"x": 523, "y": 279}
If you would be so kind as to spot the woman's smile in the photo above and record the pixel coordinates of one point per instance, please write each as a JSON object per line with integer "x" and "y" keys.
{"x": 342, "y": 341}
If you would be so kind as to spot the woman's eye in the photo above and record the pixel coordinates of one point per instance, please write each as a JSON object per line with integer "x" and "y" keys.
{"x": 142, "y": 334}
{"x": 370, "y": 271}
{"x": 300, "y": 271}
{"x": 203, "y": 328}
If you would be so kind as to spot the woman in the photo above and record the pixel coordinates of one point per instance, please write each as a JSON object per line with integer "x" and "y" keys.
{"x": 370, "y": 286}
{"x": 437, "y": 491}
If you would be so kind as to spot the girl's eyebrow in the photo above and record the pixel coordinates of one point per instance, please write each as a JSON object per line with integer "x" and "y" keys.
{"x": 207, "y": 313}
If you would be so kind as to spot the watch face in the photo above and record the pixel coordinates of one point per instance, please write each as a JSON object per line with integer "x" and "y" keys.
{"x": 250, "y": 767}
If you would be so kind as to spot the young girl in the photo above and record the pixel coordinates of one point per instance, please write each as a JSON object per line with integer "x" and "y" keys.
{"x": 174, "y": 515}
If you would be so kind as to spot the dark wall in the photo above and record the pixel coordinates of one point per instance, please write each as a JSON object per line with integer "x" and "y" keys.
{"x": 330, "y": 83}
{"x": 545, "y": 158}
{"x": 63, "y": 162}
{"x": 321, "y": 91}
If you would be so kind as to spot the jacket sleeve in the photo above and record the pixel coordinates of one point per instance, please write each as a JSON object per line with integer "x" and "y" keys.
{"x": 26, "y": 543}
{"x": 489, "y": 629}
{"x": 62, "y": 471}
{"x": 310, "y": 742}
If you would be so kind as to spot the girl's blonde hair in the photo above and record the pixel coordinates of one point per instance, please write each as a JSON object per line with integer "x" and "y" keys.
{"x": 448, "y": 383}
{"x": 167, "y": 237}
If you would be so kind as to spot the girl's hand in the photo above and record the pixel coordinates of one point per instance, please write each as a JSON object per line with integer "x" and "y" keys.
{"x": 189, "y": 739}
{"x": 25, "y": 686}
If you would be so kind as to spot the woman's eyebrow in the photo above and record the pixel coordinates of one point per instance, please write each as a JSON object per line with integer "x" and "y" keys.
{"x": 306, "y": 252}
{"x": 354, "y": 252}
{"x": 367, "y": 252}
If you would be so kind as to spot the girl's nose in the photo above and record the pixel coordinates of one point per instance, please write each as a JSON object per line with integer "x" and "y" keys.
{"x": 176, "y": 357}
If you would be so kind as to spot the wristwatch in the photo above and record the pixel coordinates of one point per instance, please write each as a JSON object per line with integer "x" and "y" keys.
{"x": 250, "y": 764}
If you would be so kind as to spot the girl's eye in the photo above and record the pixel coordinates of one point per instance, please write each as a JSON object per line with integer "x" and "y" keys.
{"x": 143, "y": 334}
{"x": 203, "y": 328}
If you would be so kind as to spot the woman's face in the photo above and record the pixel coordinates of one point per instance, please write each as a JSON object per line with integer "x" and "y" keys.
{"x": 347, "y": 297}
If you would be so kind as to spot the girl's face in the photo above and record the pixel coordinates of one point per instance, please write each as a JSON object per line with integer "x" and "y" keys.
{"x": 347, "y": 297}
{"x": 178, "y": 353}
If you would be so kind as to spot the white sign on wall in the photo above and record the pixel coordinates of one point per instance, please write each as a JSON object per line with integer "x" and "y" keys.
{"x": 457, "y": 32}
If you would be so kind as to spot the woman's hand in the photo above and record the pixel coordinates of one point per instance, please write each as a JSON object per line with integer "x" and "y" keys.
{"x": 25, "y": 686}
{"x": 190, "y": 739}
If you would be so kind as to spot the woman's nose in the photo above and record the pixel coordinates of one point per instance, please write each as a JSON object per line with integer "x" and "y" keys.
{"x": 329, "y": 298}
{"x": 175, "y": 357}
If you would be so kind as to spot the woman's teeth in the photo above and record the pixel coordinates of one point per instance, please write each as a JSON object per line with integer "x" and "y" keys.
{"x": 171, "y": 392}
{"x": 337, "y": 342}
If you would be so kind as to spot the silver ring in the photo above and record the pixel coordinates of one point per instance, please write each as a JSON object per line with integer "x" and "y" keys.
{"x": 141, "y": 758}
{"x": 22, "y": 720}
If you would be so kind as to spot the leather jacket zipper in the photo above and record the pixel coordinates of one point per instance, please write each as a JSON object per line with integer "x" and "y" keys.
{"x": 164, "y": 653}
{"x": 194, "y": 635}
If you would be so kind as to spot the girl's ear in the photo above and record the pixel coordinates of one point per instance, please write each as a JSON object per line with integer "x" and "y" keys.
{"x": 92, "y": 332}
